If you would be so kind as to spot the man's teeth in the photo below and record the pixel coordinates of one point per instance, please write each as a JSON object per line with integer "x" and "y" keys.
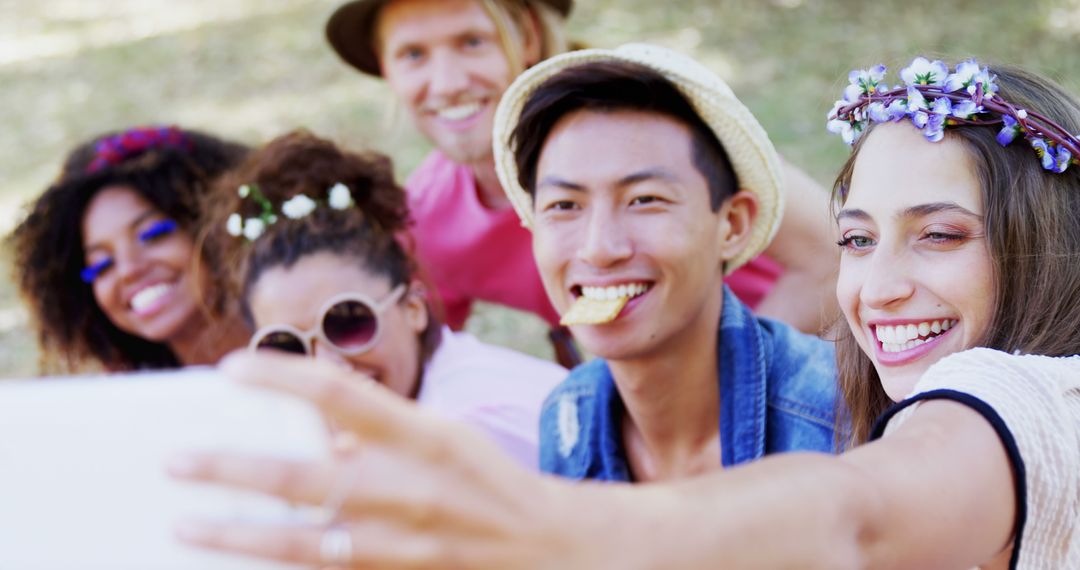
{"x": 459, "y": 112}
{"x": 148, "y": 296}
{"x": 613, "y": 292}
{"x": 905, "y": 337}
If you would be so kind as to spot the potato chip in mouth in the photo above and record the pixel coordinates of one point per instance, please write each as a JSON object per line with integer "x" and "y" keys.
{"x": 593, "y": 311}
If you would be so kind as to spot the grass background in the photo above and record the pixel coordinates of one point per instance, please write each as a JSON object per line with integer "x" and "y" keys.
{"x": 254, "y": 69}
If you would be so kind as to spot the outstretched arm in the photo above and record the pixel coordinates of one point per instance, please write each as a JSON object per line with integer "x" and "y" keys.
{"x": 805, "y": 295}
{"x": 421, "y": 491}
{"x": 938, "y": 493}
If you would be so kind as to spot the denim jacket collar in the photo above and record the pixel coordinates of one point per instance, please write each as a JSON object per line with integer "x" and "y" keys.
{"x": 777, "y": 390}
{"x": 742, "y": 357}
{"x": 609, "y": 414}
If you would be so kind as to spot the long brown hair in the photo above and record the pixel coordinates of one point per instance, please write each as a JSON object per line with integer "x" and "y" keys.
{"x": 1032, "y": 221}
{"x": 371, "y": 232}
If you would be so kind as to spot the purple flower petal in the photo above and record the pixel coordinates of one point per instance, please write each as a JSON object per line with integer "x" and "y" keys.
{"x": 953, "y": 83}
{"x": 1045, "y": 153}
{"x": 965, "y": 109}
{"x": 965, "y": 73}
{"x": 877, "y": 112}
{"x": 910, "y": 73}
{"x": 935, "y": 127}
{"x": 920, "y": 118}
{"x": 836, "y": 109}
{"x": 852, "y": 93}
{"x": 1008, "y": 133}
{"x": 915, "y": 100}
{"x": 877, "y": 73}
{"x": 866, "y": 80}
{"x": 938, "y": 73}
{"x": 897, "y": 110}
{"x": 923, "y": 72}
{"x": 843, "y": 128}
{"x": 942, "y": 106}
{"x": 1006, "y": 136}
{"x": 1064, "y": 158}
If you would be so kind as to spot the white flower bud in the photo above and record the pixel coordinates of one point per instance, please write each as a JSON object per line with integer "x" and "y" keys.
{"x": 243, "y": 191}
{"x": 340, "y": 197}
{"x": 253, "y": 228}
{"x": 297, "y": 207}
{"x": 235, "y": 225}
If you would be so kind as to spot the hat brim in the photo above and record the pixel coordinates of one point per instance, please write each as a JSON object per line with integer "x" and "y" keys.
{"x": 349, "y": 31}
{"x": 351, "y": 28}
{"x": 752, "y": 155}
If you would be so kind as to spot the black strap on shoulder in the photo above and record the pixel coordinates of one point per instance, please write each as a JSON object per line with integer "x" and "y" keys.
{"x": 1003, "y": 433}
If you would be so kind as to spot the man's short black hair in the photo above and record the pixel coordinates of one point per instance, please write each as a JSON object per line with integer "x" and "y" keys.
{"x": 616, "y": 86}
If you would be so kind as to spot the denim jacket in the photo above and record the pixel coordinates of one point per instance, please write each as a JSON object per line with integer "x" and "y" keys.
{"x": 777, "y": 393}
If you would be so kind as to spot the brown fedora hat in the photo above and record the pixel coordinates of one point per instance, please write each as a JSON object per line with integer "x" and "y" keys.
{"x": 349, "y": 31}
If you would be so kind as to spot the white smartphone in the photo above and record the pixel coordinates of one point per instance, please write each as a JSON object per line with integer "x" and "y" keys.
{"x": 82, "y": 467}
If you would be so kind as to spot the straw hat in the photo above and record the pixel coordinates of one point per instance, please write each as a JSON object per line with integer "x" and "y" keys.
{"x": 351, "y": 28}
{"x": 756, "y": 164}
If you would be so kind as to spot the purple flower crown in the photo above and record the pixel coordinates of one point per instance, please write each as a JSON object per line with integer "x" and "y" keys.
{"x": 110, "y": 151}
{"x": 933, "y": 99}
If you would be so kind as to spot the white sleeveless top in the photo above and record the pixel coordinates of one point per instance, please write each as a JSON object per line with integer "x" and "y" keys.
{"x": 1038, "y": 400}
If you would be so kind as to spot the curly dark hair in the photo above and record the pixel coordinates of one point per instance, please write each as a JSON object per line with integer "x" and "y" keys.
{"x": 373, "y": 232}
{"x": 72, "y": 329}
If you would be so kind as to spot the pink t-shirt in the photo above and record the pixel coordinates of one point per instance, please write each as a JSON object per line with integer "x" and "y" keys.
{"x": 492, "y": 388}
{"x": 473, "y": 252}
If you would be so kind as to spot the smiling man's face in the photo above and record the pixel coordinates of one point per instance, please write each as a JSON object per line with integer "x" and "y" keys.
{"x": 621, "y": 210}
{"x": 445, "y": 63}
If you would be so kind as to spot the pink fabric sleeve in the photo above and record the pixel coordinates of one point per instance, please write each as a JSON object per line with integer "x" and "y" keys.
{"x": 753, "y": 281}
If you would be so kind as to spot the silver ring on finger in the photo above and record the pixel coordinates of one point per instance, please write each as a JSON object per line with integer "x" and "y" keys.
{"x": 336, "y": 546}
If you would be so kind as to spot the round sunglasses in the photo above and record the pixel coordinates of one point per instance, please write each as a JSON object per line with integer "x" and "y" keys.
{"x": 348, "y": 322}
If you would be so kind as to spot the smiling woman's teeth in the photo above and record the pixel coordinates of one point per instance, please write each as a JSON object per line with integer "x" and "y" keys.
{"x": 614, "y": 292}
{"x": 145, "y": 298}
{"x": 905, "y": 337}
{"x": 459, "y": 112}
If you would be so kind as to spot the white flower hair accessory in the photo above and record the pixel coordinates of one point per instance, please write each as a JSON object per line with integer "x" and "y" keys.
{"x": 339, "y": 197}
{"x": 253, "y": 228}
{"x": 297, "y": 207}
{"x": 235, "y": 225}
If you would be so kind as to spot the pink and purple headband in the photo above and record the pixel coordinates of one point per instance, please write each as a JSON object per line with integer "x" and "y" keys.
{"x": 113, "y": 150}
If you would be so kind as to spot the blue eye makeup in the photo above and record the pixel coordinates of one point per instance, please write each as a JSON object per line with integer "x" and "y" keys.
{"x": 90, "y": 273}
{"x": 157, "y": 229}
